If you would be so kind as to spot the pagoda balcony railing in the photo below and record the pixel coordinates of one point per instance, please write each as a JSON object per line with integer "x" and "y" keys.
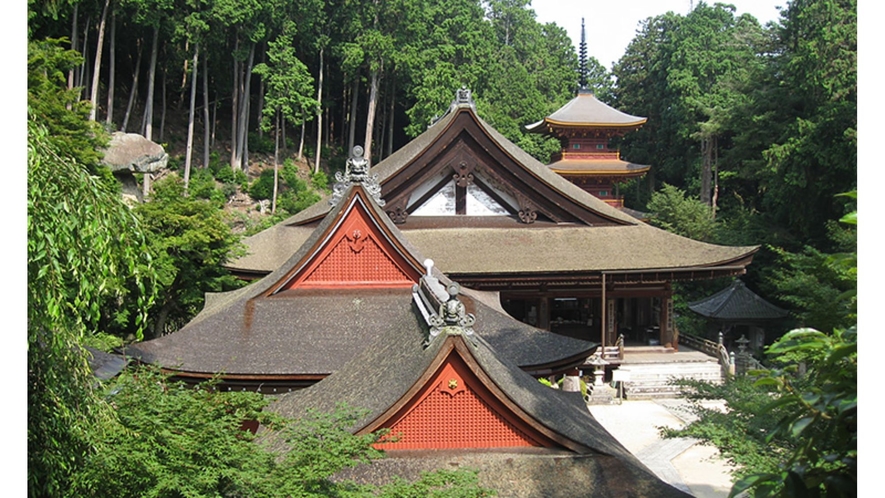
{"x": 587, "y": 155}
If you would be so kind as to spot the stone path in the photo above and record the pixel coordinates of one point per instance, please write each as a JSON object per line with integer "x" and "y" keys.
{"x": 681, "y": 462}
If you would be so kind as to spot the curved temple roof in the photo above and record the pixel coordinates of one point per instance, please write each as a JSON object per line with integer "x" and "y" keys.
{"x": 737, "y": 302}
{"x": 386, "y": 375}
{"x": 268, "y": 331}
{"x": 502, "y": 246}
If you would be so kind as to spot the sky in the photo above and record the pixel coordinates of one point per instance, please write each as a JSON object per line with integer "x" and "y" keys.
{"x": 611, "y": 25}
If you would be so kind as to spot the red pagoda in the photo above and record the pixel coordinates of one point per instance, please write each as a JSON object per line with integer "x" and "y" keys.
{"x": 586, "y": 127}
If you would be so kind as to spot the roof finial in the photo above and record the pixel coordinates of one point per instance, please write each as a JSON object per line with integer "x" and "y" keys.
{"x": 463, "y": 96}
{"x": 356, "y": 170}
{"x": 582, "y": 59}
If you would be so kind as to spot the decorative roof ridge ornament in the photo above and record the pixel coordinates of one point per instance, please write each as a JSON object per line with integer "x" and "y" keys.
{"x": 356, "y": 171}
{"x": 463, "y": 96}
{"x": 441, "y": 308}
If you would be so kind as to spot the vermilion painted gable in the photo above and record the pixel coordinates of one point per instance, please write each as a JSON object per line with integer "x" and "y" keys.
{"x": 454, "y": 410}
{"x": 357, "y": 254}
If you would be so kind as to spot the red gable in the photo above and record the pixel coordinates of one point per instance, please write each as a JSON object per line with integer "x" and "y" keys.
{"x": 455, "y": 410}
{"x": 355, "y": 253}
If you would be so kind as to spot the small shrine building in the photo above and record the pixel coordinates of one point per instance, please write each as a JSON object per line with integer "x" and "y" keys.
{"x": 738, "y": 312}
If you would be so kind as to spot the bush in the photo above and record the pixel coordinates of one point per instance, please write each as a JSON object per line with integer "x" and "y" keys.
{"x": 261, "y": 143}
{"x": 225, "y": 174}
{"x": 296, "y": 202}
{"x": 320, "y": 181}
{"x": 262, "y": 187}
{"x": 202, "y": 186}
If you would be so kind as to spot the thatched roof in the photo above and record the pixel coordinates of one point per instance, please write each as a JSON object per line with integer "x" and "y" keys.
{"x": 263, "y": 332}
{"x": 502, "y": 245}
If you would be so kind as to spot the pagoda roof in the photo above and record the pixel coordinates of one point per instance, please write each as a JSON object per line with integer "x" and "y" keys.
{"x": 581, "y": 234}
{"x": 586, "y": 111}
{"x": 389, "y": 373}
{"x": 291, "y": 327}
{"x": 597, "y": 167}
{"x": 737, "y": 302}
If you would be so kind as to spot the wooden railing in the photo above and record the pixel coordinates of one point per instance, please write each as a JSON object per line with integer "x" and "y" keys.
{"x": 616, "y": 352}
{"x": 714, "y": 349}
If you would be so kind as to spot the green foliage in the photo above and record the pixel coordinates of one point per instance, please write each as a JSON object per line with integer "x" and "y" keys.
{"x": 169, "y": 439}
{"x": 740, "y": 430}
{"x": 320, "y": 181}
{"x": 60, "y": 110}
{"x": 85, "y": 248}
{"x": 820, "y": 415}
{"x": 190, "y": 242}
{"x": 797, "y": 422}
{"x": 675, "y": 212}
{"x": 202, "y": 186}
{"x": 289, "y": 84}
{"x": 262, "y": 187}
{"x": 808, "y": 104}
{"x": 811, "y": 285}
{"x": 263, "y": 144}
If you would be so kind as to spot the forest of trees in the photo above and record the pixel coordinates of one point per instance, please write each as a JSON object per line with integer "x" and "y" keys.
{"x": 751, "y": 135}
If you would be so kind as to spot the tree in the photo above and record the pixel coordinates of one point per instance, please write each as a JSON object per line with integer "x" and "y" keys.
{"x": 807, "y": 105}
{"x": 289, "y": 90}
{"x": 84, "y": 247}
{"x": 189, "y": 243}
{"x": 796, "y": 423}
{"x": 169, "y": 439}
{"x": 682, "y": 215}
{"x": 58, "y": 109}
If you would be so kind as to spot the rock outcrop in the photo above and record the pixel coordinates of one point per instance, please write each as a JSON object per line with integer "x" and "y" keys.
{"x": 130, "y": 152}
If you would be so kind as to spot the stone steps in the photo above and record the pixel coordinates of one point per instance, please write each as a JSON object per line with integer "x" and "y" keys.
{"x": 652, "y": 380}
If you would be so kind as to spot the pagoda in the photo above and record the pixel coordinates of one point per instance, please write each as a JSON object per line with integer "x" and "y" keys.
{"x": 585, "y": 127}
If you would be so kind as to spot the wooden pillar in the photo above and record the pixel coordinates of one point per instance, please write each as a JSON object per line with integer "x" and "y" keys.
{"x": 544, "y": 313}
{"x": 603, "y": 324}
{"x": 667, "y": 329}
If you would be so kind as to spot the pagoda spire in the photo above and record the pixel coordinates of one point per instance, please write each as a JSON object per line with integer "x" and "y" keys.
{"x": 582, "y": 59}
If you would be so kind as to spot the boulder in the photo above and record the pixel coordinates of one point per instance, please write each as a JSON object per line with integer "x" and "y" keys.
{"x": 133, "y": 152}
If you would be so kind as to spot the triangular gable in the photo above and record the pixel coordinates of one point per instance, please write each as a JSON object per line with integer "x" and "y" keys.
{"x": 356, "y": 252}
{"x": 456, "y": 406}
{"x": 468, "y": 153}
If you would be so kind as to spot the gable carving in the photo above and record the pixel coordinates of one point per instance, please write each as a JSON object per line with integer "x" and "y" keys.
{"x": 527, "y": 211}
{"x": 397, "y": 211}
{"x": 463, "y": 174}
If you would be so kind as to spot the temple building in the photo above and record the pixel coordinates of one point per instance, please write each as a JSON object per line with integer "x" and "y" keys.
{"x": 357, "y": 313}
{"x": 498, "y": 220}
{"x": 342, "y": 288}
{"x": 737, "y": 312}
